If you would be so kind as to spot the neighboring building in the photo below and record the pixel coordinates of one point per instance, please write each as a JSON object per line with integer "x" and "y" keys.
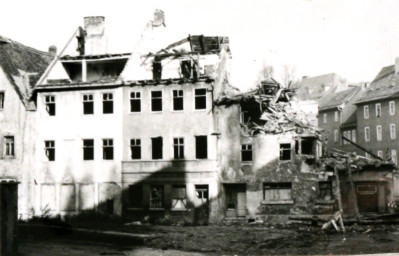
{"x": 20, "y": 68}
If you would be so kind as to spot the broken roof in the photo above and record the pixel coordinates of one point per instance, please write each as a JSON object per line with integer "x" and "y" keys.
{"x": 20, "y": 62}
{"x": 334, "y": 100}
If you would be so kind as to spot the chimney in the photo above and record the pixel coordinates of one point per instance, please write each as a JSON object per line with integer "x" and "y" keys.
{"x": 52, "y": 50}
{"x": 96, "y": 41}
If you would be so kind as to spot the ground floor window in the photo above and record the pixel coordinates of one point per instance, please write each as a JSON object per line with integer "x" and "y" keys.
{"x": 156, "y": 196}
{"x": 202, "y": 192}
{"x": 179, "y": 200}
{"x": 277, "y": 192}
{"x": 325, "y": 190}
{"x": 136, "y": 196}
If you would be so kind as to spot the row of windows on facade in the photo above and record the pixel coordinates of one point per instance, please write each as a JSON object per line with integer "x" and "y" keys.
{"x": 135, "y": 102}
{"x": 201, "y": 147}
{"x": 272, "y": 192}
{"x": 378, "y": 111}
{"x": 351, "y": 134}
{"x": 336, "y": 117}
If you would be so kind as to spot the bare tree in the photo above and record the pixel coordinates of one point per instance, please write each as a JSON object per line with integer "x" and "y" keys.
{"x": 288, "y": 75}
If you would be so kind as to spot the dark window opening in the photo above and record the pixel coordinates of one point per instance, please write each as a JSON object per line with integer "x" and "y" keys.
{"x": 157, "y": 70}
{"x": 246, "y": 153}
{"x": 49, "y": 149}
{"x": 156, "y": 196}
{"x": 108, "y": 149}
{"x": 88, "y": 149}
{"x": 135, "y": 102}
{"x": 177, "y": 100}
{"x": 179, "y": 200}
{"x": 156, "y": 101}
{"x": 178, "y": 148}
{"x": 200, "y": 98}
{"x": 325, "y": 190}
{"x": 135, "y": 146}
{"x": 50, "y": 104}
{"x": 88, "y": 104}
{"x": 157, "y": 145}
{"x": 136, "y": 196}
{"x": 285, "y": 151}
{"x": 250, "y": 113}
{"x": 186, "y": 68}
{"x": 108, "y": 103}
{"x": 2, "y": 100}
{"x": 9, "y": 146}
{"x": 201, "y": 147}
{"x": 305, "y": 146}
{"x": 277, "y": 191}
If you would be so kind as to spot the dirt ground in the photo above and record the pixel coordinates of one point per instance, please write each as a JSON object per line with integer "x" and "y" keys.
{"x": 245, "y": 240}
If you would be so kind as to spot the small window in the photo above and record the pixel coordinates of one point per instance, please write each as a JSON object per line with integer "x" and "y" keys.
{"x": 202, "y": 192}
{"x": 2, "y": 100}
{"x": 366, "y": 112}
{"x": 179, "y": 199}
{"x": 178, "y": 148}
{"x": 156, "y": 196}
{"x": 335, "y": 135}
{"x": 394, "y": 156}
{"x": 186, "y": 68}
{"x": 135, "y": 102}
{"x": 336, "y": 116}
{"x": 354, "y": 136}
{"x": 88, "y": 149}
{"x": 367, "y": 134}
{"x": 88, "y": 104}
{"x": 156, "y": 101}
{"x": 379, "y": 133}
{"x": 392, "y": 128}
{"x": 246, "y": 153}
{"x": 392, "y": 108}
{"x": 325, "y": 190}
{"x": 108, "y": 103}
{"x": 285, "y": 151}
{"x": 380, "y": 153}
{"x": 157, "y": 70}
{"x": 9, "y": 150}
{"x": 277, "y": 192}
{"x": 49, "y": 101}
{"x": 136, "y": 196}
{"x": 200, "y": 98}
{"x": 108, "y": 149}
{"x": 378, "y": 110}
{"x": 325, "y": 118}
{"x": 201, "y": 147}
{"x": 49, "y": 149}
{"x": 157, "y": 145}
{"x": 178, "y": 100}
{"x": 135, "y": 148}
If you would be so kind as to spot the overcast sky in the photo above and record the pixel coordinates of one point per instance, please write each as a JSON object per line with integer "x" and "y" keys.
{"x": 353, "y": 38}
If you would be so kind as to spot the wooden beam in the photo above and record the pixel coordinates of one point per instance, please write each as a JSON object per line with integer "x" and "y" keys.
{"x": 362, "y": 148}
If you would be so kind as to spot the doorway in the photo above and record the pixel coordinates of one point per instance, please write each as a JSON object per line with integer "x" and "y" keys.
{"x": 236, "y": 200}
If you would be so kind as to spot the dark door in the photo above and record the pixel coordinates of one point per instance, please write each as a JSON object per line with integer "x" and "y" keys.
{"x": 235, "y": 200}
{"x": 367, "y": 197}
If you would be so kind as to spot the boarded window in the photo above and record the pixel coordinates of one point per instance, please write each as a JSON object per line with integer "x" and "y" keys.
{"x": 325, "y": 190}
{"x": 179, "y": 200}
{"x": 108, "y": 103}
{"x": 178, "y": 100}
{"x": 88, "y": 104}
{"x": 135, "y": 147}
{"x": 246, "y": 152}
{"x": 157, "y": 70}
{"x": 108, "y": 149}
{"x": 9, "y": 149}
{"x": 178, "y": 148}
{"x": 2, "y": 100}
{"x": 156, "y": 196}
{"x": 135, "y": 102}
{"x": 49, "y": 101}
{"x": 277, "y": 192}
{"x": 200, "y": 98}
{"x": 157, "y": 145}
{"x": 285, "y": 151}
{"x": 201, "y": 147}
{"x": 49, "y": 149}
{"x": 156, "y": 101}
{"x": 136, "y": 196}
{"x": 88, "y": 149}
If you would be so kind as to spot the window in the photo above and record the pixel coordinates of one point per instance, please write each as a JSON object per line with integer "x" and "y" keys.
{"x": 157, "y": 70}
{"x": 277, "y": 192}
{"x": 367, "y": 134}
{"x": 245, "y": 117}
{"x": 285, "y": 151}
{"x": 354, "y": 135}
{"x": 200, "y": 98}
{"x": 336, "y": 116}
{"x": 392, "y": 129}
{"x": 2, "y": 100}
{"x": 366, "y": 112}
{"x": 335, "y": 135}
{"x": 49, "y": 149}
{"x": 325, "y": 118}
{"x": 246, "y": 153}
{"x": 392, "y": 108}
{"x": 136, "y": 196}
{"x": 108, "y": 149}
{"x": 305, "y": 146}
{"x": 345, "y": 134}
{"x": 9, "y": 146}
{"x": 378, "y": 110}
{"x": 394, "y": 156}
{"x": 157, "y": 145}
{"x": 188, "y": 69}
{"x": 108, "y": 103}
{"x": 201, "y": 147}
{"x": 88, "y": 104}
{"x": 135, "y": 148}
{"x": 177, "y": 100}
{"x": 135, "y": 102}
{"x": 179, "y": 200}
{"x": 88, "y": 149}
{"x": 178, "y": 148}
{"x": 379, "y": 153}
{"x": 202, "y": 192}
{"x": 156, "y": 196}
{"x": 379, "y": 133}
{"x": 325, "y": 190}
{"x": 49, "y": 100}
{"x": 156, "y": 101}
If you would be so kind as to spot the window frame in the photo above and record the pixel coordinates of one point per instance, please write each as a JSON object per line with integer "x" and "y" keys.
{"x": 136, "y": 145}
{"x": 49, "y": 148}
{"x": 105, "y": 101}
{"x": 367, "y": 134}
{"x": 394, "y": 156}
{"x": 282, "y": 150}
{"x": 151, "y": 99}
{"x": 354, "y": 135}
{"x": 324, "y": 118}
{"x": 336, "y": 136}
{"x": 178, "y": 146}
{"x": 183, "y": 199}
{"x": 50, "y": 99}
{"x": 392, "y": 132}
{"x": 324, "y": 186}
{"x": 86, "y": 101}
{"x": 280, "y": 187}
{"x": 177, "y": 97}
{"x": 9, "y": 146}
{"x": 378, "y": 110}
{"x": 247, "y": 147}
{"x": 161, "y": 200}
{"x": 135, "y": 98}
{"x": 200, "y": 96}
{"x": 379, "y": 132}
{"x": 111, "y": 147}
{"x": 88, "y": 147}
{"x": 2, "y": 99}
{"x": 392, "y": 109}
{"x": 366, "y": 112}
{"x": 380, "y": 154}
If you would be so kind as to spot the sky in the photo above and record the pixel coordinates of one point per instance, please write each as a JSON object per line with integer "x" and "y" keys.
{"x": 353, "y": 38}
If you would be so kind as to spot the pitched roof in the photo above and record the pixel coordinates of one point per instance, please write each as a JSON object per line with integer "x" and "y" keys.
{"x": 333, "y": 100}
{"x": 385, "y": 85}
{"x": 19, "y": 61}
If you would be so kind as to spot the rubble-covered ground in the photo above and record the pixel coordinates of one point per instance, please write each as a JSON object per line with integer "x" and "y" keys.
{"x": 250, "y": 240}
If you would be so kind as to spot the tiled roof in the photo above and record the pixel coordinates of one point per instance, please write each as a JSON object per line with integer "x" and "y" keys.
{"x": 335, "y": 99}
{"x": 17, "y": 60}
